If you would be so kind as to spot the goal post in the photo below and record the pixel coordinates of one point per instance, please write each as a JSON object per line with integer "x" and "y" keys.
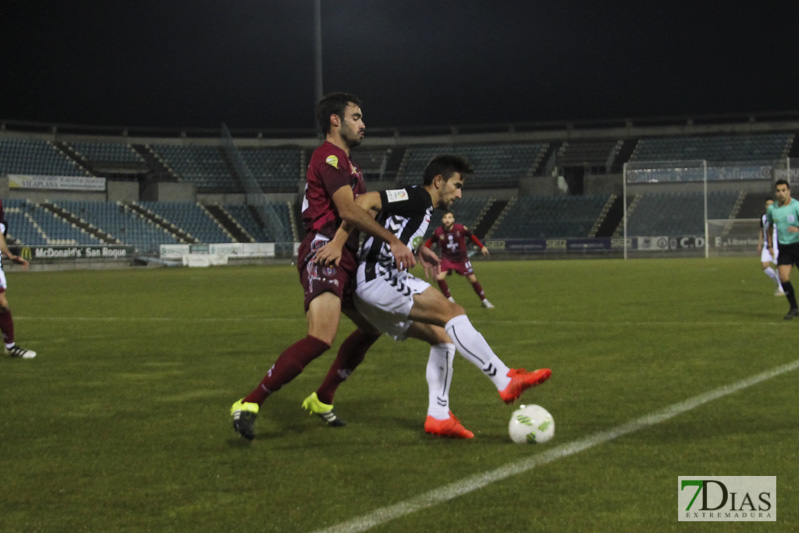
{"x": 666, "y": 207}
{"x": 695, "y": 207}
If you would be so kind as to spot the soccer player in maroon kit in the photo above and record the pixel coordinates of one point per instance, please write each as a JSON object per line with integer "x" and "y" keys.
{"x": 6, "y": 321}
{"x": 333, "y": 182}
{"x": 451, "y": 238}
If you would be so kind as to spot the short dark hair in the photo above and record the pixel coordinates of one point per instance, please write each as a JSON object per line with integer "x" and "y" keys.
{"x": 446, "y": 165}
{"x": 333, "y": 104}
{"x": 782, "y": 182}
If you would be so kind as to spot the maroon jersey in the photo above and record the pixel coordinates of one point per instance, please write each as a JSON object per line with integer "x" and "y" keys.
{"x": 330, "y": 168}
{"x": 453, "y": 242}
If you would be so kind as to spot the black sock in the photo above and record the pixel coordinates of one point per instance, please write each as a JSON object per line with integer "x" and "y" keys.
{"x": 788, "y": 288}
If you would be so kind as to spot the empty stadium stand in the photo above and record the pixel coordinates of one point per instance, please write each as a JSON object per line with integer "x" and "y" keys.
{"x": 495, "y": 165}
{"x": 205, "y": 166}
{"x": 192, "y": 218}
{"x": 599, "y": 154}
{"x": 550, "y": 216}
{"x": 35, "y": 157}
{"x": 275, "y": 170}
{"x": 106, "y": 152}
{"x": 123, "y": 224}
{"x": 678, "y": 213}
{"x": 226, "y": 172}
{"x": 751, "y": 147}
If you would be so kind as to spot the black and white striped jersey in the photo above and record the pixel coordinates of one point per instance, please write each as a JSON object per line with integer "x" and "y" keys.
{"x": 405, "y": 213}
{"x": 764, "y": 224}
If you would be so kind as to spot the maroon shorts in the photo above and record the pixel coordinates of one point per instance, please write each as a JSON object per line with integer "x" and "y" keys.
{"x": 316, "y": 279}
{"x": 464, "y": 268}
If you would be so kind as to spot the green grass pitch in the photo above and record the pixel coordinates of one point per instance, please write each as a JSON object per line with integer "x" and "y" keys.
{"x": 122, "y": 421}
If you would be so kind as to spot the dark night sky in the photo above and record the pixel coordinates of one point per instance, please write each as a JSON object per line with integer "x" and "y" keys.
{"x": 250, "y": 64}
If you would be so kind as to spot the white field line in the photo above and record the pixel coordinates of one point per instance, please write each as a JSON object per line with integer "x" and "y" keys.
{"x": 479, "y": 481}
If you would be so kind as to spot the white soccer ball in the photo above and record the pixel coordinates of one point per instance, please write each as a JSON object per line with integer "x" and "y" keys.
{"x": 531, "y": 424}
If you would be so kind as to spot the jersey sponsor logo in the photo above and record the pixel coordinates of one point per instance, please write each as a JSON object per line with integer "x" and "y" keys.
{"x": 396, "y": 195}
{"x": 332, "y": 161}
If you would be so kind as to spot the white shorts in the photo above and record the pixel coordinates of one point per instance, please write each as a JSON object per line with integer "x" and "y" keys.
{"x": 386, "y": 301}
{"x": 765, "y": 256}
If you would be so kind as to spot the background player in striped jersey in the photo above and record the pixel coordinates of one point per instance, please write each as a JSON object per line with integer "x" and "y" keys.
{"x": 451, "y": 239}
{"x": 766, "y": 259}
{"x": 402, "y": 305}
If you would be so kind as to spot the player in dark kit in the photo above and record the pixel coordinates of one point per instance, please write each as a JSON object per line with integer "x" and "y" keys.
{"x": 333, "y": 183}
{"x": 6, "y": 321}
{"x": 451, "y": 238}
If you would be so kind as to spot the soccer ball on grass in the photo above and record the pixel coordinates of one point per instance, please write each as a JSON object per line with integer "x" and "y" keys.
{"x": 531, "y": 424}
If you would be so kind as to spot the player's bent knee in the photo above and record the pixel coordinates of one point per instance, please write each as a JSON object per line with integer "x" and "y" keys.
{"x": 453, "y": 310}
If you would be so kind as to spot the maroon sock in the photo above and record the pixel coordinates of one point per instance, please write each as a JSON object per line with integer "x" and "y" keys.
{"x": 7, "y": 325}
{"x": 287, "y": 367}
{"x": 350, "y": 354}
{"x": 479, "y": 290}
{"x": 442, "y": 284}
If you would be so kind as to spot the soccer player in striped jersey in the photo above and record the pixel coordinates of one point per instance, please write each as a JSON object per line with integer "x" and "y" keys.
{"x": 451, "y": 239}
{"x": 402, "y": 305}
{"x": 766, "y": 259}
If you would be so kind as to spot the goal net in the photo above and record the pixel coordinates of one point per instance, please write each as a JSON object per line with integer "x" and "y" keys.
{"x": 696, "y": 208}
{"x": 666, "y": 208}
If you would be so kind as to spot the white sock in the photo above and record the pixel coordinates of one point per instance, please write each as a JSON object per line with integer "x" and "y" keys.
{"x": 474, "y": 347}
{"x": 773, "y": 275}
{"x": 439, "y": 378}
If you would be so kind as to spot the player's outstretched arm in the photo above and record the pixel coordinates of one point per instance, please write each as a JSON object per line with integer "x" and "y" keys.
{"x": 480, "y": 245}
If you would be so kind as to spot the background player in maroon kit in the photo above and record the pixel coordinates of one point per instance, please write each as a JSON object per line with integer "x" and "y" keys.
{"x": 451, "y": 238}
{"x": 333, "y": 182}
{"x": 6, "y": 321}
